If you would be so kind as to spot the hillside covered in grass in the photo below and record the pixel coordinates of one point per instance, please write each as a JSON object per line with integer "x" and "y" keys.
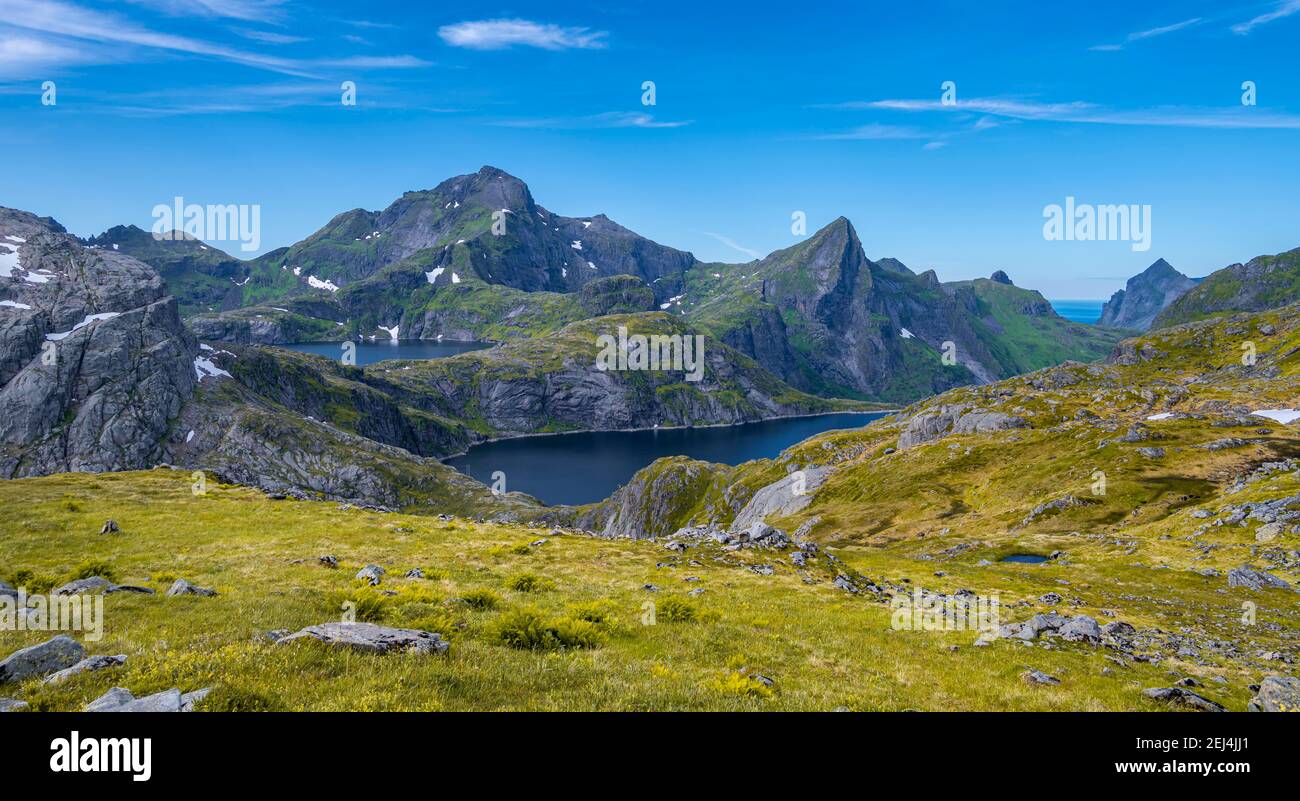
{"x": 1161, "y": 508}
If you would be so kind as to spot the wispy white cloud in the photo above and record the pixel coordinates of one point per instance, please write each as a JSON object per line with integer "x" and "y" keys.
{"x": 609, "y": 119}
{"x": 71, "y": 21}
{"x": 734, "y": 245}
{"x": 1081, "y": 112}
{"x": 1150, "y": 33}
{"x": 875, "y": 131}
{"x": 22, "y": 55}
{"x": 1283, "y": 9}
{"x": 270, "y": 37}
{"x": 247, "y": 10}
{"x": 499, "y": 34}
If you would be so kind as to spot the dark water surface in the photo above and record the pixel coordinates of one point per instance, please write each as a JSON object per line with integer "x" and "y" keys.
{"x": 588, "y": 467}
{"x": 370, "y": 352}
{"x": 1027, "y": 558}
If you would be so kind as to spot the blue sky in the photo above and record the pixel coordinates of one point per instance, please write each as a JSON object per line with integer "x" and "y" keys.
{"x": 831, "y": 109}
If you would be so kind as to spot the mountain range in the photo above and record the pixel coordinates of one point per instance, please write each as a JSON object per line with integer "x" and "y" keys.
{"x": 820, "y": 314}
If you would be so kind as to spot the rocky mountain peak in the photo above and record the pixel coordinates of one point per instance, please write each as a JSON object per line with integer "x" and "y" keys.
{"x": 894, "y": 266}
{"x": 1001, "y": 278}
{"x": 1145, "y": 296}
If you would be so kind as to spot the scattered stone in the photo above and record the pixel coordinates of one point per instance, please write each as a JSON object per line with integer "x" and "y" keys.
{"x": 109, "y": 527}
{"x": 844, "y": 583}
{"x": 1179, "y": 696}
{"x": 762, "y": 570}
{"x": 649, "y": 588}
{"x": 41, "y": 660}
{"x": 87, "y": 586}
{"x": 13, "y": 705}
{"x": 415, "y": 573}
{"x": 1152, "y": 453}
{"x": 1248, "y": 577}
{"x": 332, "y": 562}
{"x": 1050, "y": 598}
{"x": 1276, "y": 694}
{"x": 130, "y": 588}
{"x": 372, "y": 638}
{"x": 538, "y": 543}
{"x": 1038, "y": 677}
{"x": 183, "y": 587}
{"x": 87, "y": 665}
{"x": 1049, "y": 508}
{"x": 696, "y": 591}
{"x": 371, "y": 574}
{"x": 674, "y": 545}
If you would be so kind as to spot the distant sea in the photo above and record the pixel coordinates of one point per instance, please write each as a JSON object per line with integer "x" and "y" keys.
{"x": 1080, "y": 311}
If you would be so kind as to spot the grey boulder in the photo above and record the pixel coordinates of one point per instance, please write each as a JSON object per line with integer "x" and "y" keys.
{"x": 12, "y": 705}
{"x": 90, "y": 585}
{"x": 1277, "y": 694}
{"x": 87, "y": 665}
{"x": 1251, "y": 579}
{"x": 119, "y": 699}
{"x": 1181, "y": 697}
{"x": 183, "y": 587}
{"x": 41, "y": 660}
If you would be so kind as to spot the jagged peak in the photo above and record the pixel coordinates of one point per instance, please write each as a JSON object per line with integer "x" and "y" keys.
{"x": 27, "y": 218}
{"x": 1158, "y": 268}
{"x": 1001, "y": 277}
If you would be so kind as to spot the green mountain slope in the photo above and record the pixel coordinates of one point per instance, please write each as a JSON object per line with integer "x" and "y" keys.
{"x": 1265, "y": 282}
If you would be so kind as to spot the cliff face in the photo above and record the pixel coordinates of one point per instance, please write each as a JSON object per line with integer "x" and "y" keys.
{"x": 1144, "y": 296}
{"x": 1264, "y": 282}
{"x": 98, "y": 373}
{"x": 94, "y": 359}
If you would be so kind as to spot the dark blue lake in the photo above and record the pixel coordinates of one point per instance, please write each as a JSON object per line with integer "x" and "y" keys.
{"x": 370, "y": 352}
{"x": 1079, "y": 311}
{"x": 588, "y": 467}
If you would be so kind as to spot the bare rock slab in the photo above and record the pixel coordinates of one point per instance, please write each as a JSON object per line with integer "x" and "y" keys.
{"x": 372, "y": 638}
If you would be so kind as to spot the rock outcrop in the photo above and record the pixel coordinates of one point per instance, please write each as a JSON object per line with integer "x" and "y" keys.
{"x": 94, "y": 360}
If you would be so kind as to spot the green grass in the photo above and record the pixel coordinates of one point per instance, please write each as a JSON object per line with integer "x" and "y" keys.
{"x": 823, "y": 648}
